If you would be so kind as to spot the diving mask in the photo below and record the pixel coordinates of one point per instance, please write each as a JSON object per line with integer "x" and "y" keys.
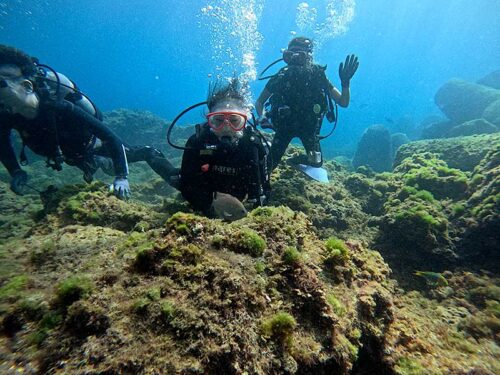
{"x": 235, "y": 120}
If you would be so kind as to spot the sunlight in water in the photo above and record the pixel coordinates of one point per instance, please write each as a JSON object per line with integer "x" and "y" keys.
{"x": 325, "y": 21}
{"x": 235, "y": 38}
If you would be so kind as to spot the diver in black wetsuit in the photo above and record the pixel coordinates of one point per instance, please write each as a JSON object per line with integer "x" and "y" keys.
{"x": 226, "y": 155}
{"x": 55, "y": 120}
{"x": 300, "y": 95}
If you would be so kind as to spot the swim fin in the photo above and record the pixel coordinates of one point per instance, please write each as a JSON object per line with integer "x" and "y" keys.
{"x": 317, "y": 174}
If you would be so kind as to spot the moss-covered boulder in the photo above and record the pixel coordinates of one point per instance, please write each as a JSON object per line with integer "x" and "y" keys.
{"x": 478, "y": 126}
{"x": 425, "y": 171}
{"x": 414, "y": 231}
{"x": 463, "y": 101}
{"x": 94, "y": 205}
{"x": 492, "y": 113}
{"x": 463, "y": 153}
{"x": 478, "y": 224}
{"x": 374, "y": 149}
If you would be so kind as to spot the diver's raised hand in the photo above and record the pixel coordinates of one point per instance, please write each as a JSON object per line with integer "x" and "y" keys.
{"x": 347, "y": 69}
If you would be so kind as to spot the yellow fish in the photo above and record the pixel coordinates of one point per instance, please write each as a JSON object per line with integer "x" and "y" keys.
{"x": 434, "y": 278}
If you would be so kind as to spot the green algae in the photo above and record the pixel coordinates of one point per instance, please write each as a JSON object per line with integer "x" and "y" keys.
{"x": 13, "y": 288}
{"x": 248, "y": 241}
{"x": 337, "y": 306}
{"x": 280, "y": 326}
{"x": 336, "y": 248}
{"x": 72, "y": 289}
{"x": 292, "y": 256}
{"x": 408, "y": 366}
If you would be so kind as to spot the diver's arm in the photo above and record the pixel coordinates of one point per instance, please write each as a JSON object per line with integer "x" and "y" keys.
{"x": 7, "y": 155}
{"x": 341, "y": 98}
{"x": 346, "y": 72}
{"x": 259, "y": 104}
{"x": 102, "y": 132}
{"x": 193, "y": 186}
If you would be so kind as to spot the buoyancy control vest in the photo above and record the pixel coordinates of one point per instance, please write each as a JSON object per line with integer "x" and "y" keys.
{"x": 299, "y": 91}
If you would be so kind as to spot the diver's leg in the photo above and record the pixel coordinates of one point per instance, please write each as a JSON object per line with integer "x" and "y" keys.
{"x": 280, "y": 142}
{"x": 156, "y": 160}
{"x": 314, "y": 156}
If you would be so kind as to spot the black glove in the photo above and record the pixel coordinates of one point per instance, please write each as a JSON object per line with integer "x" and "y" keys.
{"x": 18, "y": 182}
{"x": 347, "y": 69}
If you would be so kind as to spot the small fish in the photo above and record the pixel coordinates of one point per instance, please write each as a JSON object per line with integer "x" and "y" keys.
{"x": 389, "y": 120}
{"x": 363, "y": 106}
{"x": 228, "y": 208}
{"x": 434, "y": 278}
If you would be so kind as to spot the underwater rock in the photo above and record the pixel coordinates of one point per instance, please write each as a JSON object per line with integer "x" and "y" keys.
{"x": 463, "y": 153}
{"x": 492, "y": 113}
{"x": 426, "y": 171}
{"x": 212, "y": 310}
{"x": 374, "y": 149}
{"x": 331, "y": 207}
{"x": 143, "y": 128}
{"x": 397, "y": 140}
{"x": 463, "y": 101}
{"x": 93, "y": 205}
{"x": 491, "y": 80}
{"x": 478, "y": 223}
{"x": 137, "y": 127}
{"x": 479, "y": 126}
{"x": 450, "y": 335}
{"x": 437, "y": 129}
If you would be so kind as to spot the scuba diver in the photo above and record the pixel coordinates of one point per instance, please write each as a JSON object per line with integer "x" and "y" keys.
{"x": 57, "y": 121}
{"x": 226, "y": 161}
{"x": 297, "y": 99}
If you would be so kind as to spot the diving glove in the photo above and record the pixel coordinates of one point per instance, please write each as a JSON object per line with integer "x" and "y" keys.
{"x": 18, "y": 182}
{"x": 347, "y": 69}
{"x": 120, "y": 188}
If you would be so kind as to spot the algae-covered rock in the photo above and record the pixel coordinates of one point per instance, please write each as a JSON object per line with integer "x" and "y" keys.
{"x": 450, "y": 335}
{"x": 397, "y": 140}
{"x": 463, "y": 153}
{"x": 425, "y": 171}
{"x": 479, "y": 224}
{"x": 478, "y": 126}
{"x": 414, "y": 231}
{"x": 437, "y": 129}
{"x": 93, "y": 205}
{"x": 206, "y": 308}
{"x": 491, "y": 80}
{"x": 463, "y": 101}
{"x": 374, "y": 149}
{"x": 492, "y": 113}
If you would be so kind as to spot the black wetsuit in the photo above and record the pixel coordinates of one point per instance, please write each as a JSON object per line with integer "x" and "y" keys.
{"x": 298, "y": 105}
{"x": 80, "y": 136}
{"x": 210, "y": 166}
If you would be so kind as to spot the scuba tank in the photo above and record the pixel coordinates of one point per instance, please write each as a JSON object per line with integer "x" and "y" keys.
{"x": 58, "y": 86}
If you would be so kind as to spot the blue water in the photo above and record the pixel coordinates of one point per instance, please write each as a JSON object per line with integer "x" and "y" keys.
{"x": 159, "y": 55}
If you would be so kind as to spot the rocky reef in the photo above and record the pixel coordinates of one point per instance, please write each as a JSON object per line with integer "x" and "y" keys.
{"x": 470, "y": 108}
{"x": 322, "y": 281}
